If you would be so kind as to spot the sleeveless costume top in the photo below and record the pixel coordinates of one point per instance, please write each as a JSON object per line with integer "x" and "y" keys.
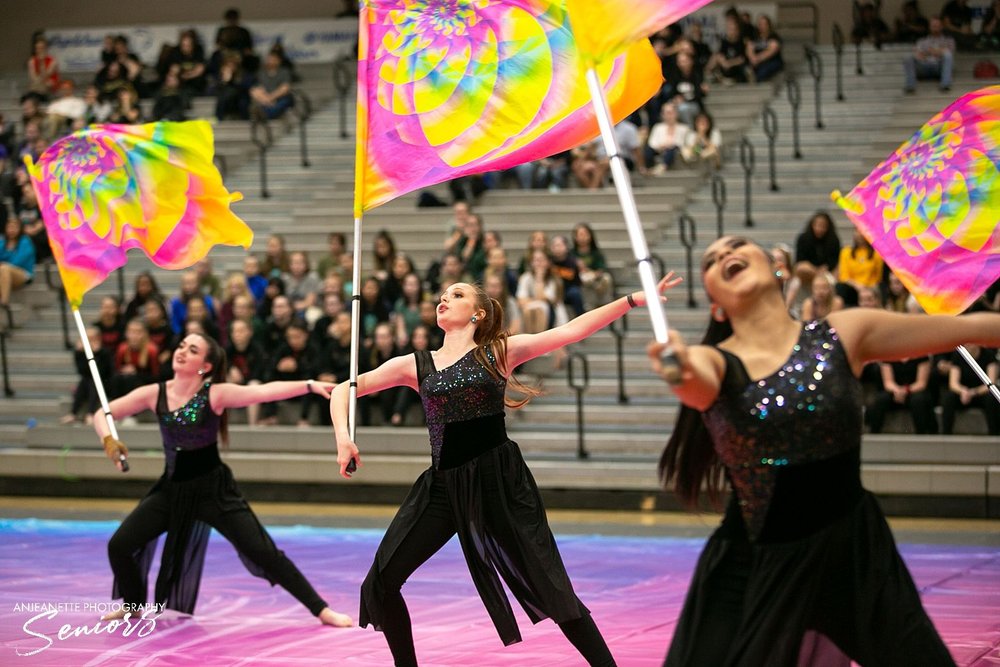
{"x": 791, "y": 441}
{"x": 193, "y": 426}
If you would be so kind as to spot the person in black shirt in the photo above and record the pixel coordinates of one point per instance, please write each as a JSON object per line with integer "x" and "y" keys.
{"x": 905, "y": 384}
{"x": 729, "y": 63}
{"x": 912, "y": 25}
{"x": 817, "y": 248}
{"x": 966, "y": 390}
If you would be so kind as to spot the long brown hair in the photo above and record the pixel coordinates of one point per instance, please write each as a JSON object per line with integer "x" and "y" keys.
{"x": 216, "y": 356}
{"x": 491, "y": 335}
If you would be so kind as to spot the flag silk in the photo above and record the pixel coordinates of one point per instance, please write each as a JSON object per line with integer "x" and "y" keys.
{"x": 605, "y": 28}
{"x": 932, "y": 208}
{"x": 108, "y": 188}
{"x": 456, "y": 87}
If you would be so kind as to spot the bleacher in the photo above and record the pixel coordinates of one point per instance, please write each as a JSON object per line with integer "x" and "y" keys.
{"x": 957, "y": 475}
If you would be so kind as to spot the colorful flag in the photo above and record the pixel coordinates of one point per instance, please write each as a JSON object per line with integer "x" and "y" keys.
{"x": 605, "y": 28}
{"x": 932, "y": 208}
{"x": 109, "y": 188}
{"x": 447, "y": 89}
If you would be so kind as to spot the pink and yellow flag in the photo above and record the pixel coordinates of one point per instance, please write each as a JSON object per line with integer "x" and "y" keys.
{"x": 932, "y": 208}
{"x": 605, "y": 28}
{"x": 109, "y": 188}
{"x": 447, "y": 89}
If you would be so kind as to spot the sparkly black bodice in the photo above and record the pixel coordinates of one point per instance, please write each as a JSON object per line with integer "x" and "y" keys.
{"x": 809, "y": 410}
{"x": 192, "y": 426}
{"x": 460, "y": 393}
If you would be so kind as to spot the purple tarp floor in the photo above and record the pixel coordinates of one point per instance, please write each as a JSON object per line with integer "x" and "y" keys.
{"x": 634, "y": 587}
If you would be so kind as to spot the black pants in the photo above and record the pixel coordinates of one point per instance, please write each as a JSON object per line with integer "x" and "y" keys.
{"x": 151, "y": 518}
{"x": 432, "y": 531}
{"x": 920, "y": 405}
{"x": 952, "y": 403}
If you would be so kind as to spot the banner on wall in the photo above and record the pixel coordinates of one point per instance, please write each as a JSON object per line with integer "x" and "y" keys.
{"x": 305, "y": 41}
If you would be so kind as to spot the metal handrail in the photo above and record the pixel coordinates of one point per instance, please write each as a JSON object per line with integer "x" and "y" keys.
{"x": 263, "y": 139}
{"x": 580, "y": 388}
{"x": 342, "y": 82}
{"x": 303, "y": 109}
{"x": 838, "y": 53}
{"x": 688, "y": 229}
{"x": 816, "y": 70}
{"x": 64, "y": 314}
{"x": 795, "y": 100}
{"x": 747, "y": 161}
{"x": 719, "y": 199}
{"x": 619, "y": 329}
{"x": 770, "y": 122}
{"x": 7, "y": 390}
{"x": 812, "y": 23}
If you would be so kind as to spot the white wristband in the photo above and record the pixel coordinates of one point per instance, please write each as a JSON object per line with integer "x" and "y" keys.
{"x": 309, "y": 386}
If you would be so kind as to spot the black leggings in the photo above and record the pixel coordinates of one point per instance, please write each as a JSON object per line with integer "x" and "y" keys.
{"x": 431, "y": 532}
{"x": 151, "y": 518}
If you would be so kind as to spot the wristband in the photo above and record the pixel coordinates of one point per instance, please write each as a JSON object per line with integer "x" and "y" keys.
{"x": 631, "y": 300}
{"x": 309, "y": 386}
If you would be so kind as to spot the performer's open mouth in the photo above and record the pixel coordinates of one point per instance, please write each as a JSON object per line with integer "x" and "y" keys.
{"x": 732, "y": 266}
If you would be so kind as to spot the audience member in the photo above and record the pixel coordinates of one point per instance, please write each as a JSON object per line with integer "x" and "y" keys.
{"x": 294, "y": 360}
{"x": 966, "y": 390}
{"x": 905, "y": 387}
{"x": 823, "y": 300}
{"x": 764, "y": 52}
{"x": 232, "y": 89}
{"x": 567, "y": 267}
{"x": 85, "y": 398}
{"x": 932, "y": 57}
{"x": 302, "y": 286}
{"x": 868, "y": 24}
{"x": 911, "y": 24}
{"x": 540, "y": 295}
{"x": 275, "y": 261}
{"x": 272, "y": 93}
{"x": 109, "y": 322}
{"x": 817, "y": 248}
{"x": 406, "y": 309}
{"x": 43, "y": 69}
{"x": 703, "y": 146}
{"x": 665, "y": 140}
{"x": 380, "y": 350}
{"x": 859, "y": 266}
{"x": 136, "y": 361}
{"x": 594, "y": 275}
{"x": 383, "y": 253}
{"x": 728, "y": 65}
{"x": 17, "y": 260}
{"x": 956, "y": 20}
{"x": 179, "y": 304}
{"x": 255, "y": 281}
{"x": 496, "y": 288}
{"x": 336, "y": 246}
{"x": 145, "y": 288}
{"x": 171, "y": 101}
{"x": 247, "y": 362}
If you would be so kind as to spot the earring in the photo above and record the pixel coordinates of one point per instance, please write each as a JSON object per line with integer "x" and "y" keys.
{"x": 201, "y": 371}
{"x": 718, "y": 314}
{"x": 474, "y": 319}
{"x": 778, "y": 274}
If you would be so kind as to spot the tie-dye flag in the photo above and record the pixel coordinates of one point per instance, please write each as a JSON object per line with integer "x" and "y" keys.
{"x": 932, "y": 209}
{"x": 447, "y": 89}
{"x": 109, "y": 188}
{"x": 605, "y": 28}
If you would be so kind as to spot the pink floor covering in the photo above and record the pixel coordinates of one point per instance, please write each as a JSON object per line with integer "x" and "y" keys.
{"x": 633, "y": 585}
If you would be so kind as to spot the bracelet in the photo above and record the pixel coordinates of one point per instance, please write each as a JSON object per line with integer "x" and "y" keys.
{"x": 631, "y": 300}
{"x": 309, "y": 386}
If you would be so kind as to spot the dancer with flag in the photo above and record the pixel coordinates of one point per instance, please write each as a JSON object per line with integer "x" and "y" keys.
{"x": 102, "y": 191}
{"x": 804, "y": 569}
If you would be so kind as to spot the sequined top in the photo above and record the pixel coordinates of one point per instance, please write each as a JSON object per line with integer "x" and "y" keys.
{"x": 808, "y": 410}
{"x": 192, "y": 426}
{"x": 463, "y": 391}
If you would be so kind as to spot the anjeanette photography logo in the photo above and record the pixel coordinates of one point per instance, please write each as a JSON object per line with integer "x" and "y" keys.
{"x": 44, "y": 624}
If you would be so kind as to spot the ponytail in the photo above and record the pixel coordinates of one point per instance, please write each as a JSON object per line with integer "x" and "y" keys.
{"x": 491, "y": 336}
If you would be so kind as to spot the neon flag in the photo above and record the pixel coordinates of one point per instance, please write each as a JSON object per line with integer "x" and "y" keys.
{"x": 605, "y": 28}
{"x": 932, "y": 208}
{"x": 109, "y": 188}
{"x": 447, "y": 89}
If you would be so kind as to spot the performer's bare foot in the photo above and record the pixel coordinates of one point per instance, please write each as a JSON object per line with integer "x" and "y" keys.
{"x": 336, "y": 619}
{"x": 116, "y": 615}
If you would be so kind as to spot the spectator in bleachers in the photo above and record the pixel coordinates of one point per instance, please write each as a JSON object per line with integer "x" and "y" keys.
{"x": 236, "y": 286}
{"x": 275, "y": 288}
{"x": 208, "y": 283}
{"x": 232, "y": 90}
{"x": 406, "y": 309}
{"x": 537, "y": 240}
{"x": 247, "y": 362}
{"x": 406, "y": 398}
{"x": 85, "y": 398}
{"x": 32, "y": 133}
{"x": 496, "y": 288}
{"x": 171, "y": 101}
{"x": 109, "y": 322}
{"x": 32, "y": 223}
{"x": 131, "y": 66}
{"x": 428, "y": 318}
{"x": 109, "y": 81}
{"x": 336, "y": 246}
{"x": 244, "y": 309}
{"x": 665, "y": 140}
{"x": 859, "y": 266}
{"x": 188, "y": 60}
{"x": 701, "y": 51}
{"x": 966, "y": 390}
{"x": 178, "y": 305}
{"x": 567, "y": 267}
{"x": 295, "y": 359}
{"x": 869, "y": 297}
{"x": 383, "y": 253}
{"x": 764, "y": 51}
{"x": 234, "y": 39}
{"x": 630, "y": 146}
{"x": 703, "y": 145}
{"x": 868, "y": 24}
{"x": 823, "y": 300}
{"x": 136, "y": 360}
{"x": 96, "y": 110}
{"x": 43, "y": 69}
{"x": 932, "y": 57}
{"x": 272, "y": 93}
{"x": 154, "y": 316}
{"x": 334, "y": 284}
{"x": 728, "y": 65}
{"x": 127, "y": 110}
{"x": 452, "y": 271}
{"x": 911, "y": 24}
{"x": 990, "y": 34}
{"x": 275, "y": 261}
{"x": 496, "y": 263}
{"x": 551, "y": 172}
{"x": 333, "y": 306}
{"x": 594, "y": 276}
{"x": 470, "y": 248}
{"x": 782, "y": 255}
{"x": 687, "y": 87}
{"x": 378, "y": 351}
{"x": 540, "y": 295}
{"x": 335, "y": 359}
{"x": 392, "y": 286}
{"x": 255, "y": 281}
{"x": 279, "y": 317}
{"x": 17, "y": 260}
{"x": 66, "y": 108}
{"x": 956, "y": 21}
{"x": 374, "y": 310}
{"x": 897, "y": 298}
{"x": 302, "y": 286}
{"x": 817, "y": 248}
{"x": 587, "y": 167}
{"x": 145, "y": 288}
{"x": 905, "y": 387}
{"x": 460, "y": 216}
{"x": 108, "y": 50}
{"x": 198, "y": 311}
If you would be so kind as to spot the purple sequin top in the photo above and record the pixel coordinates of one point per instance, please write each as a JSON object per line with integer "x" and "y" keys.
{"x": 192, "y": 426}
{"x": 808, "y": 410}
{"x": 463, "y": 391}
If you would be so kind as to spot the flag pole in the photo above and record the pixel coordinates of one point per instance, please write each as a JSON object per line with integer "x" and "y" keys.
{"x": 352, "y": 410}
{"x": 98, "y": 384}
{"x": 974, "y": 365}
{"x": 623, "y": 185}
